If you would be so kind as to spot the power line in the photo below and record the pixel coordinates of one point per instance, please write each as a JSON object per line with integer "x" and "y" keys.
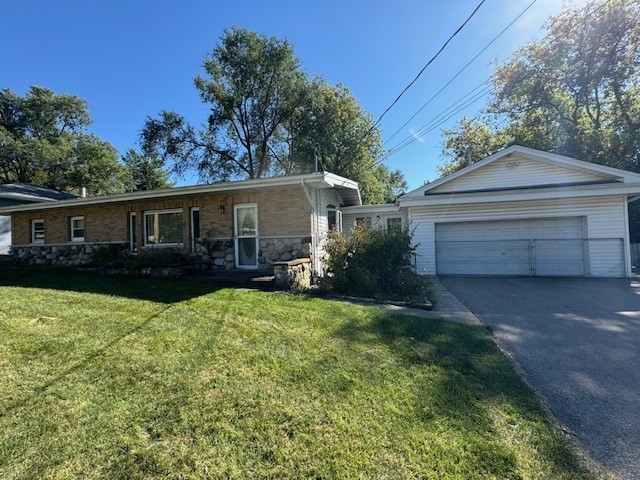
{"x": 435, "y": 123}
{"x": 427, "y": 64}
{"x": 461, "y": 70}
{"x": 426, "y": 128}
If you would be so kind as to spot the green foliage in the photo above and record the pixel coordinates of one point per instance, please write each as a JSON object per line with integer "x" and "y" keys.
{"x": 109, "y": 254}
{"x": 42, "y": 141}
{"x": 332, "y": 125}
{"x": 161, "y": 257}
{"x": 267, "y": 118}
{"x": 576, "y": 93}
{"x": 147, "y": 172}
{"x": 373, "y": 262}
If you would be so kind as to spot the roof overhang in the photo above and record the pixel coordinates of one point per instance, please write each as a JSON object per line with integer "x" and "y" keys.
{"x": 348, "y": 190}
{"x": 372, "y": 209}
{"x": 517, "y": 195}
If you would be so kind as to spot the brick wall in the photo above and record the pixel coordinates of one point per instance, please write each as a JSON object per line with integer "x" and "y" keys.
{"x": 281, "y": 213}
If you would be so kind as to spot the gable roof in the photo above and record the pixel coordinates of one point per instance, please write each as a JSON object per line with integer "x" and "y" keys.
{"x": 347, "y": 189}
{"x": 578, "y": 171}
{"x": 27, "y": 193}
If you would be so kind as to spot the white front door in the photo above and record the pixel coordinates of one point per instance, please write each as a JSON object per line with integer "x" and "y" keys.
{"x": 246, "y": 235}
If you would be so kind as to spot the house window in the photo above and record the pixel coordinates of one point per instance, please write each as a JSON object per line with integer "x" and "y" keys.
{"x": 394, "y": 224}
{"x": 195, "y": 228}
{"x": 334, "y": 217}
{"x": 163, "y": 228}
{"x": 133, "y": 234}
{"x": 363, "y": 222}
{"x": 77, "y": 229}
{"x": 37, "y": 231}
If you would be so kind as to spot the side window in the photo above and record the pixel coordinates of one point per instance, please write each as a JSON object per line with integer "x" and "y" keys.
{"x": 133, "y": 234}
{"x": 195, "y": 228}
{"x": 394, "y": 224}
{"x": 77, "y": 229}
{"x": 334, "y": 218}
{"x": 37, "y": 231}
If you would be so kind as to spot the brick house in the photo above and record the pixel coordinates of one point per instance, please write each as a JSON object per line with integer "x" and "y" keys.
{"x": 246, "y": 224}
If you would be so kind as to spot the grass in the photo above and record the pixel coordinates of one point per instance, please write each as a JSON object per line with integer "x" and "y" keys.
{"x": 136, "y": 379}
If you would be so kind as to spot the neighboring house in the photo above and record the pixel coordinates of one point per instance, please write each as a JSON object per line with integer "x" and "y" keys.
{"x": 12, "y": 194}
{"x": 519, "y": 212}
{"x": 244, "y": 224}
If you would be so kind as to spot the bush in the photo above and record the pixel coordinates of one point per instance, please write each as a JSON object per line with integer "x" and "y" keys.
{"x": 109, "y": 254}
{"x": 161, "y": 257}
{"x": 373, "y": 262}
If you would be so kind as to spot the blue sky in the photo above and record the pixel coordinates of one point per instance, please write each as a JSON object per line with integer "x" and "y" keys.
{"x": 131, "y": 59}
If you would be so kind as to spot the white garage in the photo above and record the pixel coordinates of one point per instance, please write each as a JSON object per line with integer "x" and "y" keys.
{"x": 524, "y": 212}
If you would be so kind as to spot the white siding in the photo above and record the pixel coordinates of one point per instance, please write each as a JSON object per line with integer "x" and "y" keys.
{"x": 513, "y": 171}
{"x": 323, "y": 198}
{"x": 605, "y": 218}
{"x": 5, "y": 234}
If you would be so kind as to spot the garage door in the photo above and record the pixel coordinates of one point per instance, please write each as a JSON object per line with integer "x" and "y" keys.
{"x": 549, "y": 246}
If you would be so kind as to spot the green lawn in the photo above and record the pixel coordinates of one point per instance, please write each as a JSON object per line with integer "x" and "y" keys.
{"x": 175, "y": 379}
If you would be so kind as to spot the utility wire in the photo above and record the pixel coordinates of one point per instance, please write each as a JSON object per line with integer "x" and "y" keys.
{"x": 427, "y": 64}
{"x": 426, "y": 129}
{"x": 461, "y": 70}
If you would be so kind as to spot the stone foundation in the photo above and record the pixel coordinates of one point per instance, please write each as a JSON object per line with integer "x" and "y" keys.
{"x": 294, "y": 275}
{"x": 274, "y": 250}
{"x": 219, "y": 254}
{"x": 60, "y": 255}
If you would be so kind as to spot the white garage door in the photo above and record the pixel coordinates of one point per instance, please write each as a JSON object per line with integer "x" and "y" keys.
{"x": 549, "y": 246}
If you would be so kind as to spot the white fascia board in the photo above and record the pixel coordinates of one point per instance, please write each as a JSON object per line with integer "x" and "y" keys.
{"x": 380, "y": 208}
{"x": 315, "y": 179}
{"x": 523, "y": 195}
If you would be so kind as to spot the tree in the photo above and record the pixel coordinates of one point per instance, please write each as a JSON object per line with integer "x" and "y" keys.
{"x": 577, "y": 92}
{"x": 253, "y": 84}
{"x": 334, "y": 126}
{"x": 266, "y": 118}
{"x": 42, "y": 141}
{"x": 146, "y": 173}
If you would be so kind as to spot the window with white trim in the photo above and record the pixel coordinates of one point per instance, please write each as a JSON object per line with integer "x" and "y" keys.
{"x": 334, "y": 218}
{"x": 163, "y": 227}
{"x": 195, "y": 228}
{"x": 394, "y": 224}
{"x": 77, "y": 229}
{"x": 37, "y": 231}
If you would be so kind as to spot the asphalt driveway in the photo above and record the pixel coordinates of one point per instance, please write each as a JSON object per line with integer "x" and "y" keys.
{"x": 578, "y": 343}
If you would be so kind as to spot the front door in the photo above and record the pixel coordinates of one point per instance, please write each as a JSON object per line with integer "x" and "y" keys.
{"x": 246, "y": 235}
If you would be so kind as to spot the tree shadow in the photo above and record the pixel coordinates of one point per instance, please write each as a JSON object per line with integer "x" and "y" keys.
{"x": 475, "y": 380}
{"x": 167, "y": 291}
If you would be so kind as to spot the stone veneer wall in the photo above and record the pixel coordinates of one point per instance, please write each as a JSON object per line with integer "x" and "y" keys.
{"x": 214, "y": 254}
{"x": 60, "y": 255}
{"x": 282, "y": 250}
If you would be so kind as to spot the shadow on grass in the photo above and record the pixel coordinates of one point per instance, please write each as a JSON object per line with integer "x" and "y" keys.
{"x": 475, "y": 384}
{"x": 167, "y": 291}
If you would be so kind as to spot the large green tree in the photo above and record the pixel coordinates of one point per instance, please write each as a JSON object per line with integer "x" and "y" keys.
{"x": 266, "y": 118}
{"x": 576, "y": 92}
{"x": 333, "y": 129}
{"x": 146, "y": 173}
{"x": 43, "y": 141}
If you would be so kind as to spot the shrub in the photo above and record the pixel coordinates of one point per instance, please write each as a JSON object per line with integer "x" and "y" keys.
{"x": 108, "y": 254}
{"x": 373, "y": 262}
{"x": 161, "y": 257}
